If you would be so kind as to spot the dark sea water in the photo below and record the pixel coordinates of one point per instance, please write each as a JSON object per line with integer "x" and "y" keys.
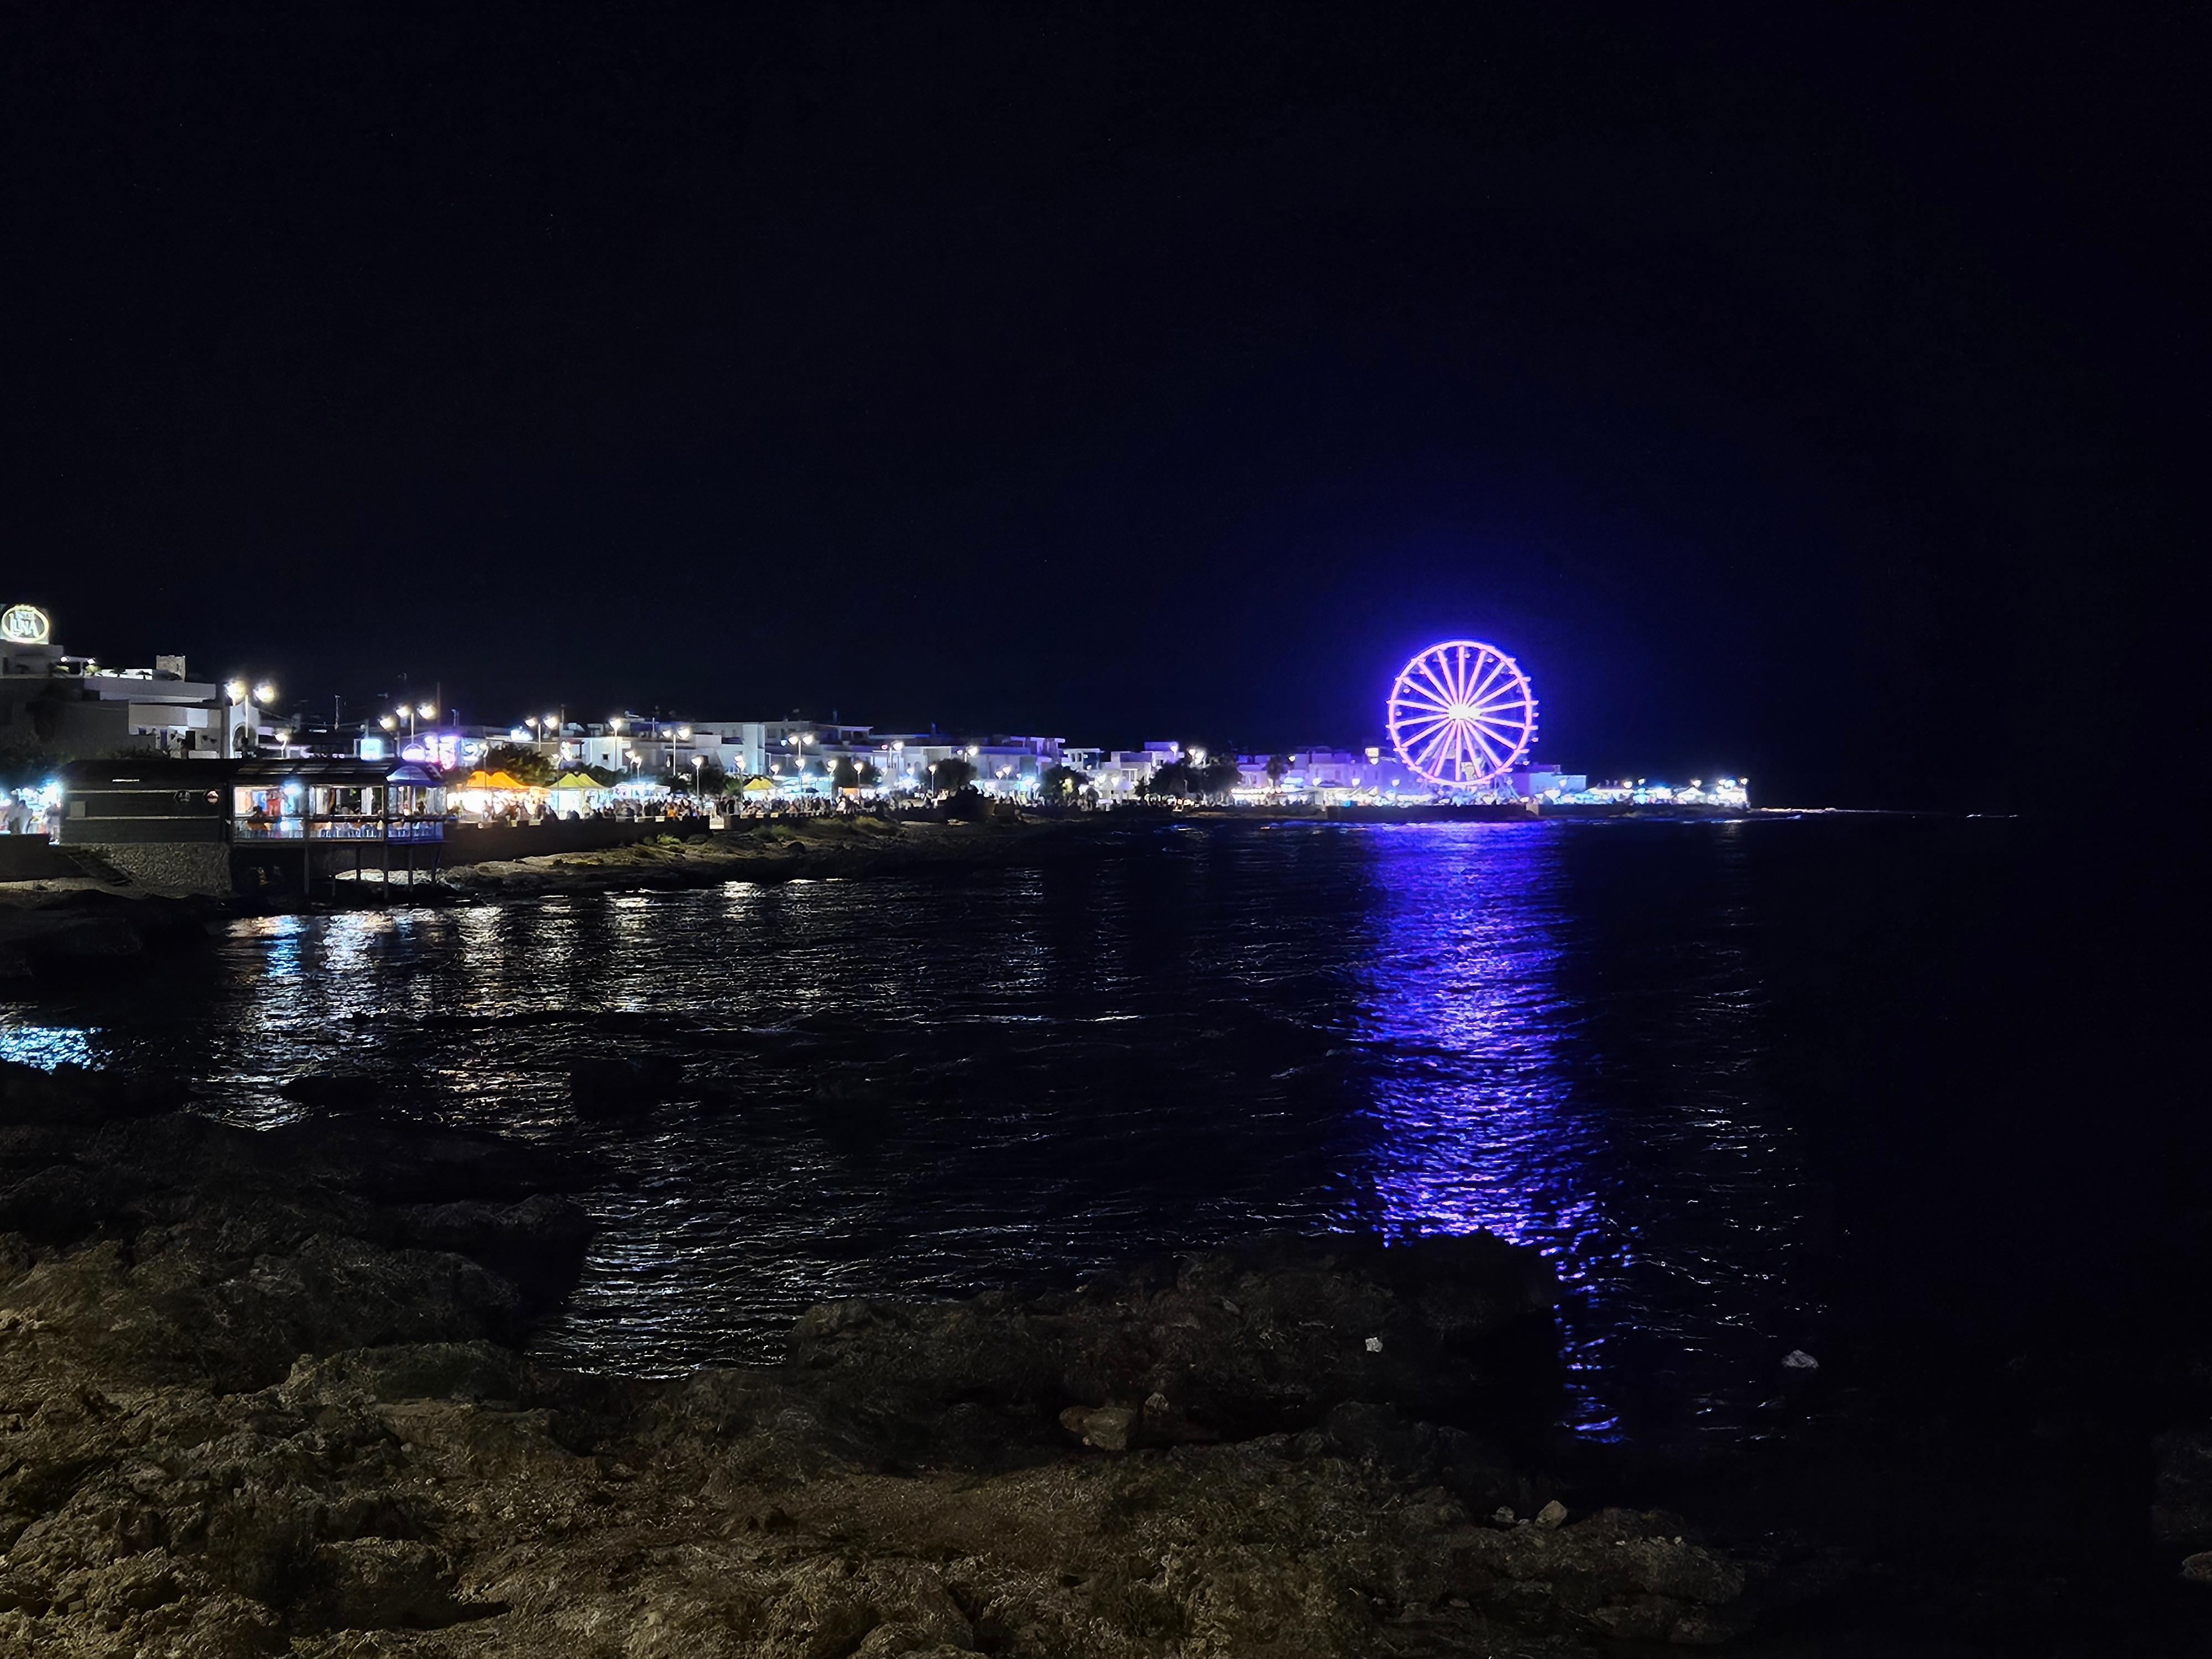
{"x": 1739, "y": 1079}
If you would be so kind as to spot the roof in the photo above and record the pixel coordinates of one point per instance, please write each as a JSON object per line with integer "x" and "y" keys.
{"x": 481, "y": 779}
{"x": 170, "y": 773}
{"x": 576, "y": 780}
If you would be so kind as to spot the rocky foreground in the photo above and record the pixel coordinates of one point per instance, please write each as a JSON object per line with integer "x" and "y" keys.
{"x": 781, "y": 849}
{"x": 262, "y": 1393}
{"x": 55, "y": 931}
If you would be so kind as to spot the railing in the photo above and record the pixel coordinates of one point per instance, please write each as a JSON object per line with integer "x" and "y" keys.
{"x": 376, "y": 829}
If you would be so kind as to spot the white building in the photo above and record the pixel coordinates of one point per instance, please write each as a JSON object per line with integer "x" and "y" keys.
{"x": 1119, "y": 771}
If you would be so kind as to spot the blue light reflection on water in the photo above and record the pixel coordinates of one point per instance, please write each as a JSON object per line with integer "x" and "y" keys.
{"x": 1586, "y": 1095}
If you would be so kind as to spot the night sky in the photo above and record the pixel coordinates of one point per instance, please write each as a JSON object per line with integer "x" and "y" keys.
{"x": 1812, "y": 394}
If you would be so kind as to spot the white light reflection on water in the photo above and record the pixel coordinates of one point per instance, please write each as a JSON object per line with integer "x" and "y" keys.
{"x": 24, "y": 1043}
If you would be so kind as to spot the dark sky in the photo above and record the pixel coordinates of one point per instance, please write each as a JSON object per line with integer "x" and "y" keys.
{"x": 1813, "y": 394}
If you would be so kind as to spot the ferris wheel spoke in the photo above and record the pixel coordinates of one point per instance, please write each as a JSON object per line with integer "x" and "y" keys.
{"x": 1492, "y": 762}
{"x": 1513, "y": 711}
{"x": 1491, "y": 681}
{"x": 1415, "y": 696}
{"x": 1419, "y": 735}
{"x": 1505, "y": 730}
{"x": 1466, "y": 669}
{"x": 1429, "y": 749}
{"x": 1439, "y": 688}
{"x": 1507, "y": 691}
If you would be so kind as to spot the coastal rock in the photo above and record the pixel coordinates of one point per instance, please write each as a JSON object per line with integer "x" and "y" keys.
{"x": 1265, "y": 1335}
{"x": 261, "y": 1393}
{"x": 2181, "y": 1511}
{"x": 59, "y": 936}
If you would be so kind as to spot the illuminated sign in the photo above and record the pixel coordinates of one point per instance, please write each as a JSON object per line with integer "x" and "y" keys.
{"x": 25, "y": 624}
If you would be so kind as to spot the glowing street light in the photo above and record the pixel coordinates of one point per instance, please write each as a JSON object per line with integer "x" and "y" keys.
{"x": 265, "y": 693}
{"x": 388, "y": 721}
{"x": 235, "y": 691}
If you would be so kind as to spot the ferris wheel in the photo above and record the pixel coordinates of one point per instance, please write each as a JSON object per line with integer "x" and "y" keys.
{"x": 1463, "y": 715}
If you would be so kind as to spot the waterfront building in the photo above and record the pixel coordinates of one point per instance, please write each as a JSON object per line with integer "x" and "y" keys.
{"x": 52, "y": 699}
{"x": 1541, "y": 780}
{"x": 220, "y": 827}
{"x": 1120, "y": 771}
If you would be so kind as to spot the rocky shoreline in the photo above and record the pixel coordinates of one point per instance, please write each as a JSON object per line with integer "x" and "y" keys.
{"x": 268, "y": 1392}
{"x": 263, "y": 1392}
{"x": 784, "y": 849}
{"x": 52, "y": 931}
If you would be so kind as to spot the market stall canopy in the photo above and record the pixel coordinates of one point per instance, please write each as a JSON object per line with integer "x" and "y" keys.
{"x": 759, "y": 787}
{"x": 481, "y": 779}
{"x": 576, "y": 780}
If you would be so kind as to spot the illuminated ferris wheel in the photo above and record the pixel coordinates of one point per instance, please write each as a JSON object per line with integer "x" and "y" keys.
{"x": 1463, "y": 715}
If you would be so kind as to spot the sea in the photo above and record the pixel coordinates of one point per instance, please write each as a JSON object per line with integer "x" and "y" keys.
{"x": 1748, "y": 1083}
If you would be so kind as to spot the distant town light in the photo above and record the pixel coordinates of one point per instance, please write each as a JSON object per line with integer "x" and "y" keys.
{"x": 429, "y": 711}
{"x": 264, "y": 693}
{"x": 235, "y": 691}
{"x": 388, "y": 721}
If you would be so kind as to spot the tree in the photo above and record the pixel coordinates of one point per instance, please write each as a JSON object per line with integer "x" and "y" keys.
{"x": 1058, "y": 781}
{"x": 952, "y": 774}
{"x": 711, "y": 779}
{"x": 519, "y": 762}
{"x": 1216, "y": 777}
{"x": 1276, "y": 765}
{"x": 1173, "y": 777}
